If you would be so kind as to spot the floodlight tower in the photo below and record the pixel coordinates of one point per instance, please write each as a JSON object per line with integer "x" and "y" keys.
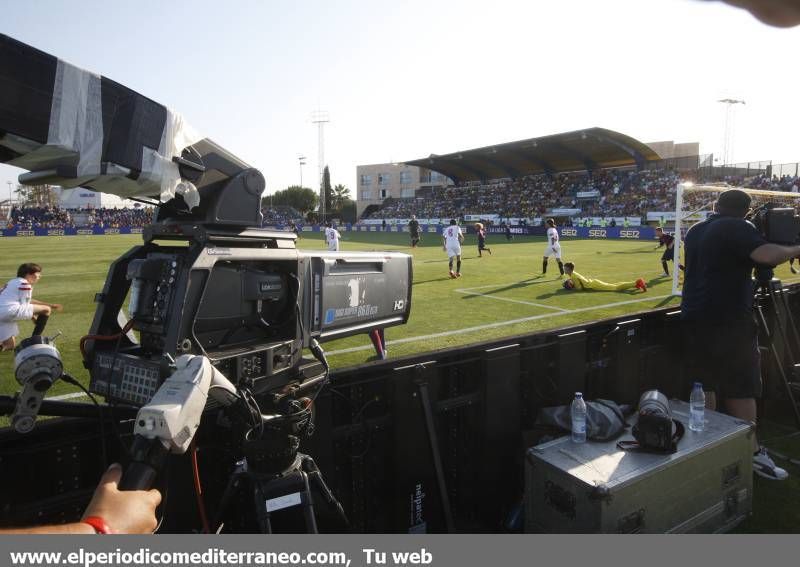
{"x": 302, "y": 160}
{"x": 727, "y": 143}
{"x": 320, "y": 118}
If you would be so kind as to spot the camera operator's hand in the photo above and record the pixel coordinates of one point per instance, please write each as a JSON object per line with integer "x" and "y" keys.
{"x": 124, "y": 512}
{"x": 120, "y": 512}
{"x": 774, "y": 254}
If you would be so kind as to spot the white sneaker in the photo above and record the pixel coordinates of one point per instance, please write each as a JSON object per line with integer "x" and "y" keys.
{"x": 764, "y": 466}
{"x": 665, "y": 275}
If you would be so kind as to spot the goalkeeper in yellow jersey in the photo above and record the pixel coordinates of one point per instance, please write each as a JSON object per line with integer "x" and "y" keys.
{"x": 577, "y": 281}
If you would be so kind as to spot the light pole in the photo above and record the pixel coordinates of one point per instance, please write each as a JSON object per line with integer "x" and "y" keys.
{"x": 727, "y": 143}
{"x": 320, "y": 118}
{"x": 302, "y": 160}
{"x": 10, "y": 191}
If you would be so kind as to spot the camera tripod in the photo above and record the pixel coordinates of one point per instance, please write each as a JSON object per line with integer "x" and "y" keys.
{"x": 768, "y": 288}
{"x": 276, "y": 486}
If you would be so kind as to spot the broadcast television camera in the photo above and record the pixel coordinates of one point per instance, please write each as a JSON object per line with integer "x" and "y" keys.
{"x": 207, "y": 280}
{"x": 210, "y": 308}
{"x": 779, "y": 225}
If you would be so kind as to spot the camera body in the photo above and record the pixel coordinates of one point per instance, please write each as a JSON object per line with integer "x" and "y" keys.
{"x": 779, "y": 225}
{"x": 248, "y": 300}
{"x": 207, "y": 280}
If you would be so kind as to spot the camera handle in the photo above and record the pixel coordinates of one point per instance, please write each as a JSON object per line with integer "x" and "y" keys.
{"x": 168, "y": 422}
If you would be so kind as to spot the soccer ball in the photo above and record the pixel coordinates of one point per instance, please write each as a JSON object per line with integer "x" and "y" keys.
{"x": 569, "y": 284}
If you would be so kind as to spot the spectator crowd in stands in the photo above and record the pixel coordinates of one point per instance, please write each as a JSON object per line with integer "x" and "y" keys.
{"x": 605, "y": 193}
{"x": 280, "y": 215}
{"x": 28, "y": 218}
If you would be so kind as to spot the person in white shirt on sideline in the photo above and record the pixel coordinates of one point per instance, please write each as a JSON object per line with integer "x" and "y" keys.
{"x": 17, "y": 304}
{"x": 452, "y": 237}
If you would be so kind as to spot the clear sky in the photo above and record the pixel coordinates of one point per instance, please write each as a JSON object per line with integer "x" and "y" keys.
{"x": 404, "y": 79}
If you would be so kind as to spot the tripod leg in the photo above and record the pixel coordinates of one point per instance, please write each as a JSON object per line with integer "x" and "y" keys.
{"x": 430, "y": 426}
{"x": 788, "y": 310}
{"x": 315, "y": 476}
{"x": 763, "y": 322}
{"x": 230, "y": 489}
{"x": 308, "y": 507}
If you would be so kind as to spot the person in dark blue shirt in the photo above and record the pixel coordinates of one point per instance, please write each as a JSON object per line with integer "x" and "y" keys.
{"x": 717, "y": 310}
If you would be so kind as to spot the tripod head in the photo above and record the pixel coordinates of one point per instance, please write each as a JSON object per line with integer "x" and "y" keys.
{"x": 763, "y": 275}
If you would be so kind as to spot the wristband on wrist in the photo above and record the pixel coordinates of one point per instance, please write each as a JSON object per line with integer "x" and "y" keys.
{"x": 99, "y": 524}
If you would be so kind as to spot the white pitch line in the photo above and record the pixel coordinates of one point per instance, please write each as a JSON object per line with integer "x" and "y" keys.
{"x": 67, "y": 396}
{"x": 49, "y": 275}
{"x": 467, "y": 292}
{"x": 499, "y": 324}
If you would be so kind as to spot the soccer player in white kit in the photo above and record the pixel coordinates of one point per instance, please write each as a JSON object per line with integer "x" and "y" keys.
{"x": 332, "y": 237}
{"x": 452, "y": 237}
{"x": 17, "y": 304}
{"x": 553, "y": 247}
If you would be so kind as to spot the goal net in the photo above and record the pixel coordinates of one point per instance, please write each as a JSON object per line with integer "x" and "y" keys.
{"x": 693, "y": 203}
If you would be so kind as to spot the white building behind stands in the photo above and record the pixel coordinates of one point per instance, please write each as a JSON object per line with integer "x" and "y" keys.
{"x": 80, "y": 198}
{"x": 380, "y": 181}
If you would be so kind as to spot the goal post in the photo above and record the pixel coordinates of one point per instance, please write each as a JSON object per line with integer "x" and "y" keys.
{"x": 693, "y": 203}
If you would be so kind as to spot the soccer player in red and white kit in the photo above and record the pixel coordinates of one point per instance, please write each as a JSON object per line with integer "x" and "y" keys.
{"x": 452, "y": 237}
{"x": 17, "y": 304}
{"x": 553, "y": 247}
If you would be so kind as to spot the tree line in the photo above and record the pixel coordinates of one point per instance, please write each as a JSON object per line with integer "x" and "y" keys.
{"x": 338, "y": 201}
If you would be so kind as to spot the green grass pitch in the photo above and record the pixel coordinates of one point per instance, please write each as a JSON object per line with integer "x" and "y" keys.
{"x": 501, "y": 294}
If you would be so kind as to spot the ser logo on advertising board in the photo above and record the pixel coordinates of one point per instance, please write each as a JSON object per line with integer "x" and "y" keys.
{"x": 629, "y": 234}
{"x": 55, "y": 232}
{"x": 85, "y": 231}
{"x": 26, "y": 233}
{"x": 569, "y": 232}
{"x": 137, "y": 230}
{"x": 597, "y": 233}
{"x": 111, "y": 231}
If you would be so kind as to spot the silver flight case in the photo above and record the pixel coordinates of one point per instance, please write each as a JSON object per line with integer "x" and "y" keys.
{"x": 593, "y": 487}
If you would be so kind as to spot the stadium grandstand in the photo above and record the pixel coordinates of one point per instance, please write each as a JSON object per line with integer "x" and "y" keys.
{"x": 280, "y": 215}
{"x": 30, "y": 218}
{"x": 586, "y": 177}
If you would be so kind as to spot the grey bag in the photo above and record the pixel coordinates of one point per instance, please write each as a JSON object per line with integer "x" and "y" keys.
{"x": 605, "y": 420}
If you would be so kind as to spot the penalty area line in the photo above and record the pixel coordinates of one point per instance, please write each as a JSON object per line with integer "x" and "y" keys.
{"x": 498, "y": 324}
{"x": 487, "y": 296}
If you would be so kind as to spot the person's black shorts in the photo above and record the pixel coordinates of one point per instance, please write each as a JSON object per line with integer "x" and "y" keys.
{"x": 724, "y": 357}
{"x": 669, "y": 254}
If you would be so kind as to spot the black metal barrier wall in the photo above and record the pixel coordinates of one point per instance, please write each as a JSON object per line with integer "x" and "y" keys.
{"x": 433, "y": 443}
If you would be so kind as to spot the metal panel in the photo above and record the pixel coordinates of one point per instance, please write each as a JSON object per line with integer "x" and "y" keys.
{"x": 706, "y": 486}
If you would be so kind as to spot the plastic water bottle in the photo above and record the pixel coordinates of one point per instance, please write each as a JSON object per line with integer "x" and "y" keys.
{"x": 697, "y": 408}
{"x": 578, "y": 419}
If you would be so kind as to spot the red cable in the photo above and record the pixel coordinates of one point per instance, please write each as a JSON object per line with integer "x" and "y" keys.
{"x": 198, "y": 489}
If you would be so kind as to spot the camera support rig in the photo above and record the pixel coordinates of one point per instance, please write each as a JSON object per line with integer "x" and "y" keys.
{"x": 207, "y": 283}
{"x": 221, "y": 287}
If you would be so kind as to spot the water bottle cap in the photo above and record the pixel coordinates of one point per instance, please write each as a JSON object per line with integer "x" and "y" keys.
{"x": 698, "y": 384}
{"x": 578, "y": 395}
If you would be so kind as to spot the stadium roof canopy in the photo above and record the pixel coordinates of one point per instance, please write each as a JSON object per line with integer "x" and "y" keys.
{"x": 590, "y": 149}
